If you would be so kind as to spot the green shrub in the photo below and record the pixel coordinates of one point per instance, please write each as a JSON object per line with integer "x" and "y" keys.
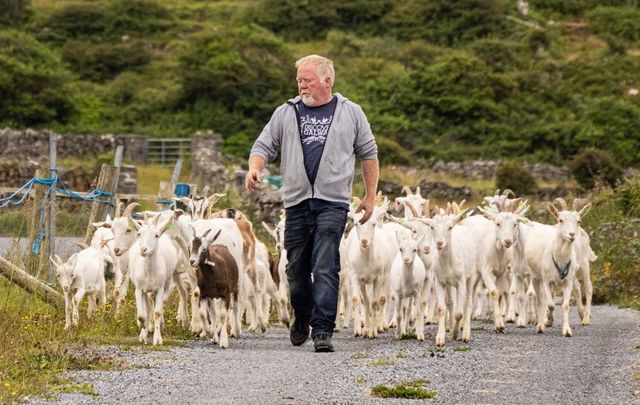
{"x": 103, "y": 61}
{"x": 13, "y": 12}
{"x": 33, "y": 82}
{"x": 232, "y": 79}
{"x": 448, "y": 22}
{"x": 100, "y": 20}
{"x": 512, "y": 175}
{"x": 592, "y": 167}
{"x": 629, "y": 195}
{"x": 621, "y": 22}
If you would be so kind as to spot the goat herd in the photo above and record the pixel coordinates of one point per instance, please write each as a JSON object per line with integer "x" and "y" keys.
{"x": 440, "y": 266}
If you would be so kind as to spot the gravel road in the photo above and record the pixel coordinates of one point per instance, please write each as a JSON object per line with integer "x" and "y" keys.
{"x": 596, "y": 366}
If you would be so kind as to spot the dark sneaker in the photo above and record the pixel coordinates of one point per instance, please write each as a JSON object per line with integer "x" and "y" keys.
{"x": 299, "y": 332}
{"x": 322, "y": 343}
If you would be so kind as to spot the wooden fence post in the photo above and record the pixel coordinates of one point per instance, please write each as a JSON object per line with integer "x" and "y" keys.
{"x": 167, "y": 190}
{"x": 99, "y": 210}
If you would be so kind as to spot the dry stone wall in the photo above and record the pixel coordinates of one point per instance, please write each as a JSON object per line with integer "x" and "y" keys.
{"x": 23, "y": 152}
{"x": 34, "y": 145}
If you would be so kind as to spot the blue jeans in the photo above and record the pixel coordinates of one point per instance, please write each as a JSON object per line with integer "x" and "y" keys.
{"x": 312, "y": 239}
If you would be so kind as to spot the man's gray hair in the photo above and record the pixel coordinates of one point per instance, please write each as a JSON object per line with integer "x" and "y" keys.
{"x": 324, "y": 66}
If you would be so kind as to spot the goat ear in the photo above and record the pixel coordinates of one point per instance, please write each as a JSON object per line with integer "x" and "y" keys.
{"x": 585, "y": 210}
{"x": 73, "y": 260}
{"x": 399, "y": 236}
{"x": 105, "y": 224}
{"x": 422, "y": 238}
{"x": 399, "y": 201}
{"x": 58, "y": 259}
{"x": 216, "y": 236}
{"x": 552, "y": 210}
{"x": 134, "y": 223}
{"x": 204, "y": 235}
{"x": 53, "y": 261}
{"x": 487, "y": 213}
{"x": 193, "y": 231}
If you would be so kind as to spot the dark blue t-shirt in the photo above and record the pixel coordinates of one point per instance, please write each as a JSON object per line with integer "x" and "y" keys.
{"x": 314, "y": 127}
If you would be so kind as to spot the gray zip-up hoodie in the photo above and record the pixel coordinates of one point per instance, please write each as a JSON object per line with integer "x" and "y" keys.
{"x": 349, "y": 136}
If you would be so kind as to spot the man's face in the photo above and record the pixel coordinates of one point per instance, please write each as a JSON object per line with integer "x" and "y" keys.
{"x": 313, "y": 90}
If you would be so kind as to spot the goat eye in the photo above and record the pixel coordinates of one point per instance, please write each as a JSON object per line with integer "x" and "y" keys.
{"x": 498, "y": 225}
{"x": 561, "y": 221}
{"x": 450, "y": 228}
{"x": 129, "y": 230}
{"x": 157, "y": 236}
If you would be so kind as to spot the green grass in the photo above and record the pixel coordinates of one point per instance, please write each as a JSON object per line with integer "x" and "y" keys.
{"x": 358, "y": 356}
{"x": 35, "y": 349}
{"x": 361, "y": 380}
{"x": 383, "y": 362}
{"x": 402, "y": 391}
{"x": 461, "y": 349}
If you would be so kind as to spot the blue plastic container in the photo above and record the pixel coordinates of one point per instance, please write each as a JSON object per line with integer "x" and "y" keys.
{"x": 182, "y": 190}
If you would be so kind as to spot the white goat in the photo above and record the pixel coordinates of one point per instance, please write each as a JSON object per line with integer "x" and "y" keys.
{"x": 551, "y": 256}
{"x": 409, "y": 286}
{"x": 83, "y": 273}
{"x": 501, "y": 248}
{"x": 415, "y": 200}
{"x": 370, "y": 254}
{"x": 455, "y": 273}
{"x": 153, "y": 259}
{"x": 585, "y": 256}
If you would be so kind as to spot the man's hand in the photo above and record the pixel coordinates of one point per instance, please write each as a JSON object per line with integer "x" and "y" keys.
{"x": 367, "y": 205}
{"x": 252, "y": 177}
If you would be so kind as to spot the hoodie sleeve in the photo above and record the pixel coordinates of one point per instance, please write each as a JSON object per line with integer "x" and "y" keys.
{"x": 268, "y": 143}
{"x": 365, "y": 144}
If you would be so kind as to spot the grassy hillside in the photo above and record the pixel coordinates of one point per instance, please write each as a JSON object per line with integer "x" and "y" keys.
{"x": 438, "y": 79}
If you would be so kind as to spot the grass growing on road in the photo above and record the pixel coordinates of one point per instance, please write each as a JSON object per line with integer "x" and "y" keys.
{"x": 383, "y": 362}
{"x": 415, "y": 389}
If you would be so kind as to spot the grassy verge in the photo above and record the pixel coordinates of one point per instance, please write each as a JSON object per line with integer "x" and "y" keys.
{"x": 35, "y": 349}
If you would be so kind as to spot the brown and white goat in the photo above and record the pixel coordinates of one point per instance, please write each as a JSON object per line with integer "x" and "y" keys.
{"x": 217, "y": 274}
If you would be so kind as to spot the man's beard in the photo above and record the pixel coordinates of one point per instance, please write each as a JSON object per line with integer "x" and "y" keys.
{"x": 308, "y": 100}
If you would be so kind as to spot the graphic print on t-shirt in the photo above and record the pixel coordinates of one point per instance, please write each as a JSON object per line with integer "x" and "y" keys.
{"x": 314, "y": 129}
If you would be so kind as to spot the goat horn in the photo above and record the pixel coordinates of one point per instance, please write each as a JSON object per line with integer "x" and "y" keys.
{"x": 104, "y": 242}
{"x": 508, "y": 191}
{"x": 563, "y": 203}
{"x": 129, "y": 210}
{"x": 425, "y": 209}
{"x": 413, "y": 210}
{"x": 81, "y": 245}
{"x": 118, "y": 208}
{"x": 214, "y": 198}
{"x": 578, "y": 203}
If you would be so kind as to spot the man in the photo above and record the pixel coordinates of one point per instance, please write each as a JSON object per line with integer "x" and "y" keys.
{"x": 319, "y": 135}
